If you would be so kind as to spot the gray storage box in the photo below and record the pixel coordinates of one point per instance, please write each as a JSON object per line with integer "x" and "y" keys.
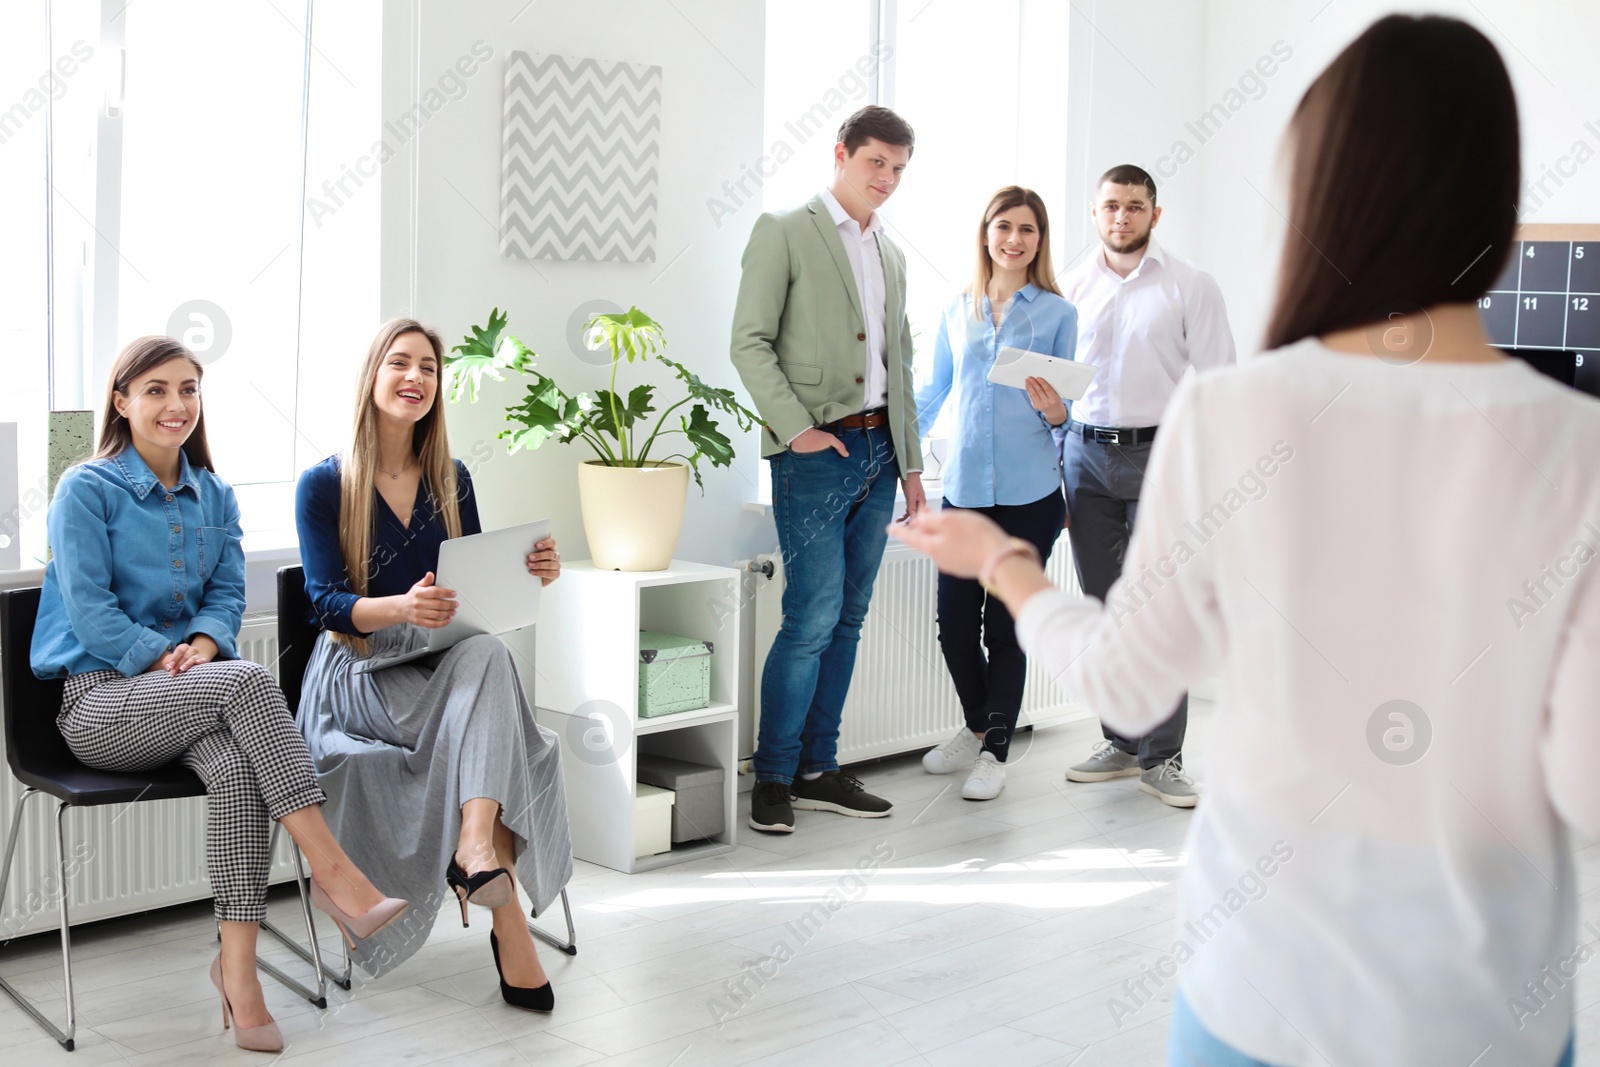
{"x": 697, "y": 807}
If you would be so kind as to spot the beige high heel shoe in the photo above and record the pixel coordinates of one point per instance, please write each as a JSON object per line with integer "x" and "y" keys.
{"x": 264, "y": 1038}
{"x": 364, "y": 926}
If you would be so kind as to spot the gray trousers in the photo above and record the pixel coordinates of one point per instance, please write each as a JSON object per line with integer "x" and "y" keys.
{"x": 1102, "y": 483}
{"x": 226, "y": 721}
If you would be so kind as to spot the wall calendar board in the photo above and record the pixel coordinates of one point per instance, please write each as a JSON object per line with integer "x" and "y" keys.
{"x": 1545, "y": 306}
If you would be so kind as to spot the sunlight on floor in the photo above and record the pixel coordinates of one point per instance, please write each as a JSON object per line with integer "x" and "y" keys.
{"x": 1042, "y": 895}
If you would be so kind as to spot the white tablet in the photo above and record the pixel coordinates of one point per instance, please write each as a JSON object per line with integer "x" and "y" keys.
{"x": 1014, "y": 366}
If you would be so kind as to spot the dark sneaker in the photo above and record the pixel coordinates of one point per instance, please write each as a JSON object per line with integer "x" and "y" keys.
{"x": 838, "y": 792}
{"x": 770, "y": 809}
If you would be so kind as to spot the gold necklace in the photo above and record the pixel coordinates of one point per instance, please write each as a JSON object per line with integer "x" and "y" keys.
{"x": 393, "y": 475}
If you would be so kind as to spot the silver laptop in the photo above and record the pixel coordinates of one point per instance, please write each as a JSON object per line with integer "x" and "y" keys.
{"x": 495, "y": 594}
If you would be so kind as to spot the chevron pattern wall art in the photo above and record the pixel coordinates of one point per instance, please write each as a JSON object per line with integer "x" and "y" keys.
{"x": 580, "y": 150}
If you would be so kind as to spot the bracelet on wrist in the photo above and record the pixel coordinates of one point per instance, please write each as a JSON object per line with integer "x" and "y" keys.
{"x": 1014, "y": 546}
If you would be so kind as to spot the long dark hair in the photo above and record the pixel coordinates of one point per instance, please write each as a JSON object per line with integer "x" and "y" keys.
{"x": 140, "y": 357}
{"x": 1404, "y": 179}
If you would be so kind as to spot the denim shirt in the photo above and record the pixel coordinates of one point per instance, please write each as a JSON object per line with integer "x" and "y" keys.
{"x": 1003, "y": 450}
{"x": 136, "y": 568}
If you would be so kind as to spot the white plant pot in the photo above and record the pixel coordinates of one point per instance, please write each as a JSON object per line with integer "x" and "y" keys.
{"x": 632, "y": 515}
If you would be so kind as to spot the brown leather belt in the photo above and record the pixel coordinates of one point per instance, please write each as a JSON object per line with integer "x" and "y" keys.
{"x": 867, "y": 420}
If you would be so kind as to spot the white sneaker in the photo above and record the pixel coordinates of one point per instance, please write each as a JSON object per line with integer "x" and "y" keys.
{"x": 954, "y": 755}
{"x": 988, "y": 777}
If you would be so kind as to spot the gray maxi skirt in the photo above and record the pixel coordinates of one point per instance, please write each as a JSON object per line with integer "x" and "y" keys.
{"x": 398, "y": 751}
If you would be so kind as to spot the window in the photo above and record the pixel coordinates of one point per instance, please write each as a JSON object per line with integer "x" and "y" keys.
{"x": 821, "y": 66}
{"x": 182, "y": 147}
{"x": 975, "y": 83}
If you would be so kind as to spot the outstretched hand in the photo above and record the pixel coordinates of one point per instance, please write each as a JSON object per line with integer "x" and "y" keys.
{"x": 958, "y": 541}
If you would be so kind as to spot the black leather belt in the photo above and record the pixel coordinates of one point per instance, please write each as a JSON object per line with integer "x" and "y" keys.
{"x": 867, "y": 420}
{"x": 1114, "y": 435}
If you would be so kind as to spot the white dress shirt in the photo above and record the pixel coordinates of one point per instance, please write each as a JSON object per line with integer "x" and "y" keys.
{"x": 1367, "y": 882}
{"x": 1143, "y": 332}
{"x": 861, "y": 249}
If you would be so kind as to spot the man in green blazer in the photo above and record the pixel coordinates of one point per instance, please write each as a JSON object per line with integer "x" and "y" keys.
{"x": 821, "y": 340}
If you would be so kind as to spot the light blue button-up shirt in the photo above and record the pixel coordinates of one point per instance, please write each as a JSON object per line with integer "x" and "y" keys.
{"x": 1002, "y": 451}
{"x": 137, "y": 568}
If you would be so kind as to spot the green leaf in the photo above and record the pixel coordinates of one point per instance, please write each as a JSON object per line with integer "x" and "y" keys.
{"x": 722, "y": 400}
{"x": 485, "y": 352}
{"x": 637, "y": 406}
{"x": 709, "y": 442}
{"x": 546, "y": 412}
{"x": 632, "y": 334}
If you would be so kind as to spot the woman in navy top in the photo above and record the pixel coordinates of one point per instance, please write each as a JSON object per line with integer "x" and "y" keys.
{"x": 1004, "y": 463}
{"x": 140, "y": 613}
{"x": 441, "y": 766}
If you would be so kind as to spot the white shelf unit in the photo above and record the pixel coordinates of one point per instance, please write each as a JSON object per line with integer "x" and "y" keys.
{"x": 588, "y": 689}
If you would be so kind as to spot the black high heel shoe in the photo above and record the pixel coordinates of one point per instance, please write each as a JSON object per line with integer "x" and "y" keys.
{"x": 487, "y": 889}
{"x": 535, "y": 998}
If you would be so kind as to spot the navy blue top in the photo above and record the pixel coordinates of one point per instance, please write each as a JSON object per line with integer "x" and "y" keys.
{"x": 401, "y": 555}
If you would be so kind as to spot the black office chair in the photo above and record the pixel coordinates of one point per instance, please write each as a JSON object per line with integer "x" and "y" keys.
{"x": 41, "y": 761}
{"x": 297, "y": 636}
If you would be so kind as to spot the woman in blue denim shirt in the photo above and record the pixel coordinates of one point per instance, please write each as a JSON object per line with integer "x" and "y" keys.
{"x": 1004, "y": 463}
{"x": 140, "y": 613}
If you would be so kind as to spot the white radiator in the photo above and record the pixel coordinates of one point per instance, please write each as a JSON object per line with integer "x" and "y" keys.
{"x": 121, "y": 859}
{"x": 901, "y": 698}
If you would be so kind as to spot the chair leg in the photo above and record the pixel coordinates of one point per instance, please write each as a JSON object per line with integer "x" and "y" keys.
{"x": 64, "y": 1037}
{"x": 11, "y": 842}
{"x": 570, "y": 945}
{"x": 66, "y": 925}
{"x": 313, "y": 954}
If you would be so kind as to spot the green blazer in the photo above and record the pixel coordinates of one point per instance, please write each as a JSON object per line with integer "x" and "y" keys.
{"x": 798, "y": 331}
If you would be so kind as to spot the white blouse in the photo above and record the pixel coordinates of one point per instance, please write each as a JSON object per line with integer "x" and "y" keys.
{"x": 1392, "y": 567}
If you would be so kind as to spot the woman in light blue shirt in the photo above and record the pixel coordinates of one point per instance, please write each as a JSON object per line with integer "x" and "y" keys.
{"x": 1004, "y": 463}
{"x": 140, "y": 615}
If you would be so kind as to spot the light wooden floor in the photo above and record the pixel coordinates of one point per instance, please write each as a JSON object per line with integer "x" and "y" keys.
{"x": 996, "y": 933}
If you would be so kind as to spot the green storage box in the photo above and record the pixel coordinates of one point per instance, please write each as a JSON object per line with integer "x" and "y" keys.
{"x": 674, "y": 674}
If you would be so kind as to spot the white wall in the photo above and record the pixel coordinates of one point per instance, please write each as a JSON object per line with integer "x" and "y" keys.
{"x": 443, "y": 227}
{"x": 1140, "y": 76}
{"x": 1548, "y": 47}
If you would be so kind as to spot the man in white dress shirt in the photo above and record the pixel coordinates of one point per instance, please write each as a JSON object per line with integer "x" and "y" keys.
{"x": 1144, "y": 318}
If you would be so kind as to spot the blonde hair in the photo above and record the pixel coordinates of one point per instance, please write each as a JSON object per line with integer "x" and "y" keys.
{"x": 429, "y": 444}
{"x": 1040, "y": 272}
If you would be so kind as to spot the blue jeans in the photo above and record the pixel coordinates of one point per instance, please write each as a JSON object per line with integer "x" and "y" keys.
{"x": 1192, "y": 1045}
{"x": 832, "y": 515}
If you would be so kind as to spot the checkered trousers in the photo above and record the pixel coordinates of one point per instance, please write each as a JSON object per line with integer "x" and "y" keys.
{"x": 227, "y": 722}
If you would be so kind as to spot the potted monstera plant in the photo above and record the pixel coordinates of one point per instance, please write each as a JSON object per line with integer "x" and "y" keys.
{"x": 634, "y": 491}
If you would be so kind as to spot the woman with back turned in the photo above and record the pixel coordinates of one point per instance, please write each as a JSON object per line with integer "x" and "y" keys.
{"x": 1381, "y": 873}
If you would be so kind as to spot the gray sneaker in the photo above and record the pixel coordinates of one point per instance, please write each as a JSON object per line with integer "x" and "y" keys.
{"x": 1168, "y": 784}
{"x": 1108, "y": 762}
